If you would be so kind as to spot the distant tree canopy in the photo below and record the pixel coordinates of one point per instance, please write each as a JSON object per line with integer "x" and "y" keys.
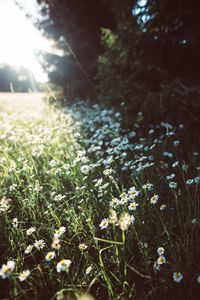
{"x": 18, "y": 79}
{"x": 126, "y": 47}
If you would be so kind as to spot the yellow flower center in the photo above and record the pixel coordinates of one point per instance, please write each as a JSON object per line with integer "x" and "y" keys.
{"x": 6, "y": 270}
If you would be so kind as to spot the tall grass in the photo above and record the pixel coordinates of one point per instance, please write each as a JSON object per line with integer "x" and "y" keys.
{"x": 88, "y": 207}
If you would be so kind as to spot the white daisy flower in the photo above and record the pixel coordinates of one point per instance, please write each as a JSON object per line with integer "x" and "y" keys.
{"x": 161, "y": 260}
{"x": 85, "y": 169}
{"x": 133, "y": 192}
{"x": 123, "y": 195}
{"x": 132, "y": 206}
{"x": 28, "y": 249}
{"x": 147, "y": 186}
{"x": 160, "y": 251}
{"x": 39, "y": 244}
{"x": 50, "y": 255}
{"x": 123, "y": 200}
{"x": 30, "y": 230}
{"x": 88, "y": 270}
{"x": 107, "y": 171}
{"x": 163, "y": 206}
{"x": 104, "y": 223}
{"x": 83, "y": 246}
{"x": 7, "y": 269}
{"x": 24, "y": 275}
{"x": 177, "y": 276}
{"x": 60, "y": 231}
{"x": 114, "y": 202}
{"x": 154, "y": 199}
{"x": 63, "y": 265}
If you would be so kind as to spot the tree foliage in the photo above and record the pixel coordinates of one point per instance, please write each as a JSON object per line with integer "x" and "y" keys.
{"x": 133, "y": 50}
{"x": 151, "y": 60}
{"x": 152, "y": 43}
{"x": 18, "y": 79}
{"x": 75, "y": 26}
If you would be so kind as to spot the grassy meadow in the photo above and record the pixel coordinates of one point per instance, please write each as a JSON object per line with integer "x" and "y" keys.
{"x": 90, "y": 210}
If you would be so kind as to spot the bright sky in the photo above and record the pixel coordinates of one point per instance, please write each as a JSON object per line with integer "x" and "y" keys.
{"x": 19, "y": 38}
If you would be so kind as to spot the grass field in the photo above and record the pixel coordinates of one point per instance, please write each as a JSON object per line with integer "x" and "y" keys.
{"x": 89, "y": 210}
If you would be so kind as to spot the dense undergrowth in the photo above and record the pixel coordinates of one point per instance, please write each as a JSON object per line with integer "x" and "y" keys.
{"x": 88, "y": 206}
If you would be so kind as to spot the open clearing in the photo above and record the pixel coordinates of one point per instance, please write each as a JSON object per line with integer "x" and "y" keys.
{"x": 21, "y": 101}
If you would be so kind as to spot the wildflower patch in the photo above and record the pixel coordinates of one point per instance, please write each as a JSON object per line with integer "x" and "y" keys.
{"x": 89, "y": 206}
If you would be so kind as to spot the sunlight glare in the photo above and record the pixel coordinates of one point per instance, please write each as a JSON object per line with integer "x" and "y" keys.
{"x": 20, "y": 39}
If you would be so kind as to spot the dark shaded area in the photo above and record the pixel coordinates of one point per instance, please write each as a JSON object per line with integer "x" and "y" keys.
{"x": 151, "y": 49}
{"x": 143, "y": 46}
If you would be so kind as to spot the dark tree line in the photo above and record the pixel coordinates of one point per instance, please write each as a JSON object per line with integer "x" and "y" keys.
{"x": 76, "y": 28}
{"x": 17, "y": 79}
{"x": 126, "y": 47}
